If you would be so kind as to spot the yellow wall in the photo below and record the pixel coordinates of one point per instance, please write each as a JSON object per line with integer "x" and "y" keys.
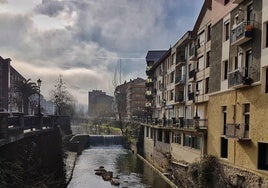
{"x": 240, "y": 153}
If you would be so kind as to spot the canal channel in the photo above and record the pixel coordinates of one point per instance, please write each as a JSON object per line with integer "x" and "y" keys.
{"x": 131, "y": 171}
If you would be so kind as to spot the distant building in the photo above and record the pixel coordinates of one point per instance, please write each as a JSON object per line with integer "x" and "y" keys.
{"x": 99, "y": 104}
{"x": 126, "y": 95}
{"x": 136, "y": 100}
{"x": 8, "y": 76}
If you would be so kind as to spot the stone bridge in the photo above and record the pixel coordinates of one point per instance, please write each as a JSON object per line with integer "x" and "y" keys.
{"x": 16, "y": 126}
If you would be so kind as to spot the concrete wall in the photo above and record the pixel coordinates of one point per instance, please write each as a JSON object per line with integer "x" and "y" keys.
{"x": 216, "y": 55}
{"x": 243, "y": 154}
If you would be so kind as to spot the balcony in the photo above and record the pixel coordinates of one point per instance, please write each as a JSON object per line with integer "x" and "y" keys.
{"x": 180, "y": 97}
{"x": 149, "y": 95}
{"x": 149, "y": 82}
{"x": 242, "y": 33}
{"x": 148, "y": 70}
{"x": 237, "y": 79}
{"x": 180, "y": 79}
{"x": 180, "y": 60}
{"x": 191, "y": 96}
{"x": 192, "y": 123}
{"x": 237, "y": 131}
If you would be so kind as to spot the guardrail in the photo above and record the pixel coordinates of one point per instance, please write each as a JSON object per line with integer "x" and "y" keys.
{"x": 16, "y": 124}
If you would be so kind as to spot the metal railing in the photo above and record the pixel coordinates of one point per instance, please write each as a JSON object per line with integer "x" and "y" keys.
{"x": 15, "y": 124}
{"x": 239, "y": 131}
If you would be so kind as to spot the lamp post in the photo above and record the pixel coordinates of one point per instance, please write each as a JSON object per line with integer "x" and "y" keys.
{"x": 39, "y": 85}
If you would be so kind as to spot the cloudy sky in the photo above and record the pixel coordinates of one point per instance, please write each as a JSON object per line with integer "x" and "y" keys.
{"x": 84, "y": 40}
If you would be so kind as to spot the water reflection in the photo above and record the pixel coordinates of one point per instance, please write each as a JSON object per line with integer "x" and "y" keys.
{"x": 132, "y": 172}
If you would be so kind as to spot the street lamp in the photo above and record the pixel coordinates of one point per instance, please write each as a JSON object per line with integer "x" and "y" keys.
{"x": 39, "y": 85}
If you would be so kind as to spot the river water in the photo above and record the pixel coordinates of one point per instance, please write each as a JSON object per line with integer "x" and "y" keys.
{"x": 131, "y": 171}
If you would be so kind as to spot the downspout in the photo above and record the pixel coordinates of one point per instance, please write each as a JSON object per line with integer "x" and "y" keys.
{"x": 234, "y": 121}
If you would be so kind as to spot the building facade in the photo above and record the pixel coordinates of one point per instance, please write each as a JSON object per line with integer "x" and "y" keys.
{"x": 8, "y": 76}
{"x": 208, "y": 92}
{"x": 99, "y": 104}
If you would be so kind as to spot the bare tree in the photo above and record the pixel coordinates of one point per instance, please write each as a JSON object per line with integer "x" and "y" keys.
{"x": 62, "y": 98}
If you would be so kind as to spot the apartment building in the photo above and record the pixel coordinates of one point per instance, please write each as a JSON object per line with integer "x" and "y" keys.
{"x": 136, "y": 100}
{"x": 99, "y": 104}
{"x": 180, "y": 96}
{"x": 209, "y": 91}
{"x": 127, "y": 103}
{"x": 8, "y": 76}
{"x": 238, "y": 102}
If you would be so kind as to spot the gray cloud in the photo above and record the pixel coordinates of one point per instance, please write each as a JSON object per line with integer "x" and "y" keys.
{"x": 101, "y": 34}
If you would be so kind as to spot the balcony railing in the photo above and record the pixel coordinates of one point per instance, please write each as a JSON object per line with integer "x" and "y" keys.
{"x": 180, "y": 79}
{"x": 149, "y": 95}
{"x": 148, "y": 70}
{"x": 179, "y": 97}
{"x": 149, "y": 82}
{"x": 237, "y": 131}
{"x": 242, "y": 33}
{"x": 237, "y": 79}
{"x": 180, "y": 60}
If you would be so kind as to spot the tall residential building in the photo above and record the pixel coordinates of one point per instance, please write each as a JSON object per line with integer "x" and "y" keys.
{"x": 180, "y": 98}
{"x": 238, "y": 102}
{"x": 136, "y": 100}
{"x": 99, "y": 104}
{"x": 125, "y": 98}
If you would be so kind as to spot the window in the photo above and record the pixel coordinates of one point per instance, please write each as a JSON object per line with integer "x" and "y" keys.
{"x": 177, "y": 138}
{"x": 166, "y": 136}
{"x": 263, "y": 156}
{"x": 208, "y": 59}
{"x": 224, "y": 114}
{"x": 192, "y": 141}
{"x": 159, "y": 135}
{"x": 207, "y": 85}
{"x": 266, "y": 35}
{"x": 201, "y": 39}
{"x": 147, "y": 131}
{"x": 200, "y": 63}
{"x": 226, "y": 31}
{"x": 152, "y": 133}
{"x": 250, "y": 15}
{"x": 224, "y": 148}
{"x": 226, "y": 2}
{"x": 209, "y": 33}
{"x": 172, "y": 95}
{"x": 225, "y": 70}
{"x": 187, "y": 140}
{"x": 172, "y": 77}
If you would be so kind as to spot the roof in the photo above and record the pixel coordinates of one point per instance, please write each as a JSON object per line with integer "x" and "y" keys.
{"x": 207, "y": 5}
{"x": 154, "y": 55}
{"x": 161, "y": 59}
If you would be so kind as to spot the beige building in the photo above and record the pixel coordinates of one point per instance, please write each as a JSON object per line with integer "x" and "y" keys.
{"x": 238, "y": 102}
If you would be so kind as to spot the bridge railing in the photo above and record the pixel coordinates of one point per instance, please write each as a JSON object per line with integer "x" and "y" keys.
{"x": 16, "y": 124}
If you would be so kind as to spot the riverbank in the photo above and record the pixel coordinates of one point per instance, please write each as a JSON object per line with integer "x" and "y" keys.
{"x": 159, "y": 172}
{"x": 69, "y": 162}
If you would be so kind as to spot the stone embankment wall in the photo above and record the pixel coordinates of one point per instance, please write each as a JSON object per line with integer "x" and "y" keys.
{"x": 36, "y": 160}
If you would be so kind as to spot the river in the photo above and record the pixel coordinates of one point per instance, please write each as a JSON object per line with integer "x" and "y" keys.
{"x": 132, "y": 172}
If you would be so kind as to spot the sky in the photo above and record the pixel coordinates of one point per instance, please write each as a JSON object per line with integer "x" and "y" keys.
{"x": 85, "y": 40}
